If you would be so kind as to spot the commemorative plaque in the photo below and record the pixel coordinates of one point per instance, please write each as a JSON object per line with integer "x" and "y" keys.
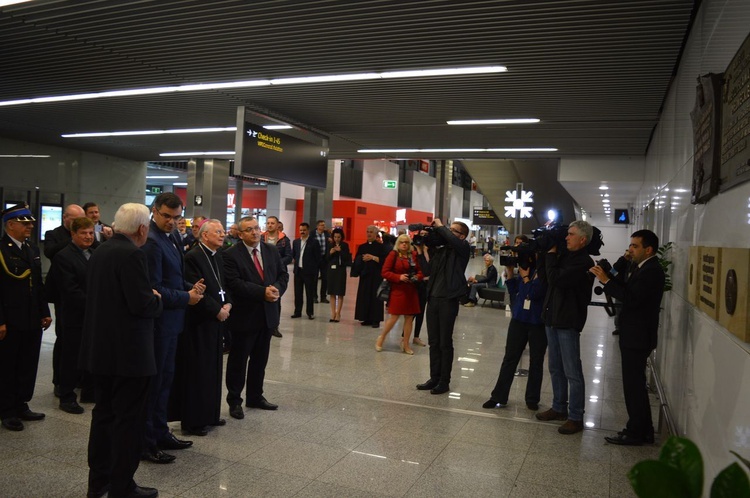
{"x": 735, "y": 283}
{"x": 709, "y": 289}
{"x": 735, "y": 146}
{"x": 706, "y": 117}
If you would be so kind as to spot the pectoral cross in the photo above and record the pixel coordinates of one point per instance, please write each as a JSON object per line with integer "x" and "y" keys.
{"x": 221, "y": 293}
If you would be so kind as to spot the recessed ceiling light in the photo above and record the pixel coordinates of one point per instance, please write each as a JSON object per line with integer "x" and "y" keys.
{"x": 493, "y": 121}
{"x": 603, "y": 187}
{"x": 190, "y": 154}
{"x": 413, "y": 151}
{"x": 180, "y": 184}
{"x": 421, "y": 73}
{"x": 162, "y": 177}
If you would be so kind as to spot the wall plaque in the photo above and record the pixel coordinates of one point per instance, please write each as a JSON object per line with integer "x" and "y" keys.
{"x": 735, "y": 128}
{"x": 692, "y": 279}
{"x": 735, "y": 300}
{"x": 706, "y": 117}
{"x": 709, "y": 289}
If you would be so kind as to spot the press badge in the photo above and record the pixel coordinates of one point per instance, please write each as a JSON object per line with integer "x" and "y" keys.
{"x": 527, "y": 304}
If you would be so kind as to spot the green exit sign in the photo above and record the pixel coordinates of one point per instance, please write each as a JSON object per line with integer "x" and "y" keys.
{"x": 389, "y": 184}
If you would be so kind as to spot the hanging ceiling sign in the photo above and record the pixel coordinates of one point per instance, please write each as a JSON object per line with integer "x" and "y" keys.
{"x": 519, "y": 203}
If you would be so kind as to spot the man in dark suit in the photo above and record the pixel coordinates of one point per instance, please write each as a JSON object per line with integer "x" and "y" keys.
{"x": 23, "y": 315}
{"x": 165, "y": 266}
{"x": 68, "y": 275}
{"x": 101, "y": 230}
{"x": 323, "y": 236}
{"x": 54, "y": 241}
{"x": 307, "y": 256}
{"x": 117, "y": 348}
{"x": 256, "y": 279}
{"x": 641, "y": 297}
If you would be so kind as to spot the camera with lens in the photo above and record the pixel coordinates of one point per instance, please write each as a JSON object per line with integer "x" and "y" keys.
{"x": 605, "y": 265}
{"x": 508, "y": 260}
{"x": 419, "y": 239}
{"x": 553, "y": 235}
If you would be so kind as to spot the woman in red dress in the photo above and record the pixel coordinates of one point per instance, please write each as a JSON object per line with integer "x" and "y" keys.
{"x": 401, "y": 269}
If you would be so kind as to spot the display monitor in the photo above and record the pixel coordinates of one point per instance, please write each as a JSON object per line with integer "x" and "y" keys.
{"x": 262, "y": 153}
{"x": 50, "y": 218}
{"x": 622, "y": 217}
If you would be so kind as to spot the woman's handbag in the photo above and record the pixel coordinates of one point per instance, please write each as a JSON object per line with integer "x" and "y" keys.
{"x": 384, "y": 291}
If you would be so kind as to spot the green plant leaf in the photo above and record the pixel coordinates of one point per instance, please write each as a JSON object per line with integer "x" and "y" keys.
{"x": 741, "y": 459}
{"x": 731, "y": 482}
{"x": 654, "y": 479}
{"x": 683, "y": 455}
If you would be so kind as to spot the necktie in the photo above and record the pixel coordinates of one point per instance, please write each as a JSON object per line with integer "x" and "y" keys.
{"x": 257, "y": 264}
{"x": 87, "y": 254}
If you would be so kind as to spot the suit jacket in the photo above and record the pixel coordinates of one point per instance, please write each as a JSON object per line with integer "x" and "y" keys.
{"x": 310, "y": 259}
{"x": 641, "y": 301}
{"x": 248, "y": 290}
{"x": 22, "y": 303}
{"x": 118, "y": 327}
{"x": 55, "y": 240}
{"x": 165, "y": 267}
{"x": 68, "y": 275}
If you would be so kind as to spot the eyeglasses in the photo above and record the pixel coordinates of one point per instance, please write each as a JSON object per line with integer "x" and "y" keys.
{"x": 457, "y": 232}
{"x": 250, "y": 229}
{"x": 168, "y": 217}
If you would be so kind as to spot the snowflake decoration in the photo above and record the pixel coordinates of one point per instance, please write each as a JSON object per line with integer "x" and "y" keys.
{"x": 518, "y": 203}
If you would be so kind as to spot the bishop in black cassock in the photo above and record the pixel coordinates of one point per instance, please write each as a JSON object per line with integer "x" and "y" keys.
{"x": 196, "y": 393}
{"x": 367, "y": 265}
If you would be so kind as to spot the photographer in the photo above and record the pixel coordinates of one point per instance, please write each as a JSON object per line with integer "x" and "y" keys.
{"x": 488, "y": 278}
{"x": 526, "y": 327}
{"x": 449, "y": 256}
{"x": 641, "y": 294}
{"x": 565, "y": 309}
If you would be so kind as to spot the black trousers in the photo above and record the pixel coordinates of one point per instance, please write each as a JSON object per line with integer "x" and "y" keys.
{"x": 70, "y": 375}
{"x": 441, "y": 318}
{"x": 19, "y": 359}
{"x": 419, "y": 319}
{"x": 640, "y": 424}
{"x": 248, "y": 357}
{"x": 116, "y": 437}
{"x": 304, "y": 283}
{"x": 520, "y": 334}
{"x": 323, "y": 270}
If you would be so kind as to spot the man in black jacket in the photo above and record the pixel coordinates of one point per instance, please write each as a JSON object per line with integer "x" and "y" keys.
{"x": 117, "y": 348}
{"x": 564, "y": 313}
{"x": 306, "y": 251}
{"x": 449, "y": 256}
{"x": 640, "y": 295}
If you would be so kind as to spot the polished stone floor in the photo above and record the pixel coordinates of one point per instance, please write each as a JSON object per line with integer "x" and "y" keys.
{"x": 351, "y": 423}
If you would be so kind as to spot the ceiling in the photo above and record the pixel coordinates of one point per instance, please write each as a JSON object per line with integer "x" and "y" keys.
{"x": 594, "y": 72}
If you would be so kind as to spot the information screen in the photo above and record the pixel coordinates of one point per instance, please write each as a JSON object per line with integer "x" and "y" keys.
{"x": 279, "y": 156}
{"x": 51, "y": 218}
{"x": 622, "y": 217}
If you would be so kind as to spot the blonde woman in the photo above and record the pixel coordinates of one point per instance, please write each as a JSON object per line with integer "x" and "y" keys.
{"x": 401, "y": 269}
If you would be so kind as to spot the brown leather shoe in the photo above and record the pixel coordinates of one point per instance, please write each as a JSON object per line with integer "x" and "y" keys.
{"x": 571, "y": 427}
{"x": 551, "y": 415}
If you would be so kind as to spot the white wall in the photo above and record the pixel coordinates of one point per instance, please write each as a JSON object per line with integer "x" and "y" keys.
{"x": 705, "y": 369}
{"x": 375, "y": 171}
{"x": 423, "y": 192}
{"x": 456, "y": 203}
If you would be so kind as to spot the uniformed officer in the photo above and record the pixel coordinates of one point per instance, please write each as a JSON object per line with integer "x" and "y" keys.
{"x": 23, "y": 315}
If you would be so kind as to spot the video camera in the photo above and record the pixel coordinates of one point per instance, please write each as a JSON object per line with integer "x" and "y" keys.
{"x": 553, "y": 235}
{"x": 420, "y": 239}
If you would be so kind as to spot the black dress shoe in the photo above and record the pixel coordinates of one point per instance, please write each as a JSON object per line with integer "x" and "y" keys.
{"x": 200, "y": 430}
{"x": 325, "y": 301}
{"x": 311, "y": 317}
{"x": 13, "y": 424}
{"x": 139, "y": 492}
{"x": 365, "y": 324}
{"x": 155, "y": 455}
{"x": 170, "y": 442}
{"x": 647, "y": 439}
{"x": 237, "y": 412}
{"x": 376, "y": 325}
{"x": 219, "y": 423}
{"x": 624, "y": 440}
{"x": 491, "y": 403}
{"x": 57, "y": 391}
{"x": 97, "y": 493}
{"x": 275, "y": 332}
{"x": 30, "y": 416}
{"x": 262, "y": 404}
{"x": 440, "y": 388}
{"x": 532, "y": 406}
{"x": 430, "y": 384}
{"x": 71, "y": 407}
{"x": 296, "y": 315}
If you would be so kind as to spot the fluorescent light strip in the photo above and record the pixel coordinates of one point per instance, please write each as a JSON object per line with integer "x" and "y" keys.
{"x": 5, "y": 3}
{"x": 278, "y": 127}
{"x": 258, "y": 83}
{"x": 148, "y": 132}
{"x": 190, "y": 154}
{"x": 180, "y": 184}
{"x": 493, "y": 121}
{"x": 162, "y": 177}
{"x": 24, "y": 155}
{"x": 413, "y": 151}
